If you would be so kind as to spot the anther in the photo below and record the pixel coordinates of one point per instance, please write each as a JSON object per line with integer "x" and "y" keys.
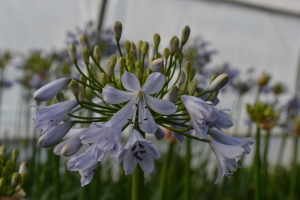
{"x": 146, "y": 119}
{"x": 141, "y": 145}
{"x": 133, "y": 148}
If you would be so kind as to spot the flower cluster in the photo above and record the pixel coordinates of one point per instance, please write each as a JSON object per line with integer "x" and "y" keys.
{"x": 146, "y": 99}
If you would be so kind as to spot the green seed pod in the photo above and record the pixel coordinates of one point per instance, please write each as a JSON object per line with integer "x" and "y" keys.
{"x": 138, "y": 73}
{"x": 156, "y": 39}
{"x": 24, "y": 177}
{"x": 188, "y": 66}
{"x": 15, "y": 155}
{"x": 97, "y": 53}
{"x": 180, "y": 58}
{"x": 127, "y": 46}
{"x": 120, "y": 85}
{"x": 173, "y": 45}
{"x": 113, "y": 60}
{"x": 145, "y": 48}
{"x": 139, "y": 45}
{"x": 118, "y": 30}
{"x": 130, "y": 69}
{"x": 23, "y": 167}
{"x": 85, "y": 55}
{"x": 84, "y": 41}
{"x": 60, "y": 97}
{"x": 15, "y": 179}
{"x": 138, "y": 64}
{"x": 72, "y": 53}
{"x": 83, "y": 79}
{"x": 218, "y": 83}
{"x": 183, "y": 88}
{"x": 192, "y": 73}
{"x": 122, "y": 62}
{"x": 172, "y": 94}
{"x": 185, "y": 34}
{"x": 103, "y": 79}
{"x": 181, "y": 78}
{"x": 2, "y": 150}
{"x": 109, "y": 69}
{"x": 166, "y": 53}
{"x": 212, "y": 78}
{"x": 192, "y": 88}
{"x": 74, "y": 87}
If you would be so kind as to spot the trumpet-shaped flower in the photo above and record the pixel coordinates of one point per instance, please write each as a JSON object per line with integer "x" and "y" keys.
{"x": 47, "y": 117}
{"x": 223, "y": 121}
{"x": 201, "y": 113}
{"x": 226, "y": 155}
{"x": 245, "y": 143}
{"x": 139, "y": 98}
{"x": 138, "y": 150}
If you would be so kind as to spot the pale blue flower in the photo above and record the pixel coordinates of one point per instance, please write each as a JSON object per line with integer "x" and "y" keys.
{"x": 222, "y": 122}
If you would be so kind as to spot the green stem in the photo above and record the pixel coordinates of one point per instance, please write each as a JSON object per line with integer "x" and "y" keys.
{"x": 187, "y": 171}
{"x": 164, "y": 174}
{"x": 294, "y": 171}
{"x": 257, "y": 165}
{"x": 119, "y": 48}
{"x": 267, "y": 139}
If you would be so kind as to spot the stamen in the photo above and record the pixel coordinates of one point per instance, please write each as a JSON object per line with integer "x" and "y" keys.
{"x": 146, "y": 107}
{"x": 133, "y": 148}
{"x": 141, "y": 145}
{"x": 146, "y": 119}
{"x": 140, "y": 122}
{"x": 129, "y": 120}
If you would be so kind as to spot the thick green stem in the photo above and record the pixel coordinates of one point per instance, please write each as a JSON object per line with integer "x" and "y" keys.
{"x": 187, "y": 171}
{"x": 294, "y": 171}
{"x": 267, "y": 139}
{"x": 257, "y": 166}
{"x": 138, "y": 180}
{"x": 166, "y": 166}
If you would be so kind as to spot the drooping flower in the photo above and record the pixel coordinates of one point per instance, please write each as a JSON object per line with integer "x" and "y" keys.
{"x": 47, "y": 117}
{"x": 223, "y": 121}
{"x": 226, "y": 155}
{"x": 138, "y": 150}
{"x": 245, "y": 143}
{"x": 201, "y": 113}
{"x": 49, "y": 90}
{"x": 139, "y": 97}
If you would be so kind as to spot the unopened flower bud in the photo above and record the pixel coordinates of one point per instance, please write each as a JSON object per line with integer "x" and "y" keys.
{"x": 180, "y": 58}
{"x": 145, "y": 48}
{"x": 157, "y": 65}
{"x": 15, "y": 155}
{"x": 147, "y": 72}
{"x": 109, "y": 69}
{"x": 172, "y": 94}
{"x": 119, "y": 84}
{"x": 97, "y": 53}
{"x": 23, "y": 167}
{"x": 183, "y": 88}
{"x": 192, "y": 88}
{"x": 113, "y": 60}
{"x": 263, "y": 79}
{"x": 152, "y": 52}
{"x": 127, "y": 46}
{"x": 177, "y": 54}
{"x": 191, "y": 126}
{"x": 133, "y": 48}
{"x": 213, "y": 96}
{"x": 132, "y": 54}
{"x": 138, "y": 64}
{"x": 24, "y": 177}
{"x": 156, "y": 39}
{"x": 173, "y": 45}
{"x": 71, "y": 148}
{"x": 192, "y": 73}
{"x": 130, "y": 69}
{"x": 74, "y": 87}
{"x": 166, "y": 53}
{"x": 185, "y": 35}
{"x": 218, "y": 83}
{"x": 181, "y": 78}
{"x": 118, "y": 30}
{"x": 84, "y": 41}
{"x": 60, "y": 97}
{"x": 188, "y": 67}
{"x": 2, "y": 182}
{"x": 72, "y": 53}
{"x": 151, "y": 60}
{"x": 278, "y": 88}
{"x": 159, "y": 133}
{"x": 85, "y": 55}
{"x": 15, "y": 179}
{"x": 138, "y": 73}
{"x": 83, "y": 79}
{"x": 90, "y": 71}
{"x": 139, "y": 45}
{"x": 212, "y": 78}
{"x": 122, "y": 62}
{"x": 2, "y": 150}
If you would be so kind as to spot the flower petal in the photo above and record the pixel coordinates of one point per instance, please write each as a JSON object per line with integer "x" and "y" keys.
{"x": 129, "y": 163}
{"x": 154, "y": 83}
{"x": 122, "y": 116}
{"x": 122, "y": 155}
{"x": 146, "y": 121}
{"x": 160, "y": 106}
{"x": 115, "y": 96}
{"x": 130, "y": 82}
{"x": 154, "y": 153}
{"x": 133, "y": 138}
{"x": 147, "y": 164}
